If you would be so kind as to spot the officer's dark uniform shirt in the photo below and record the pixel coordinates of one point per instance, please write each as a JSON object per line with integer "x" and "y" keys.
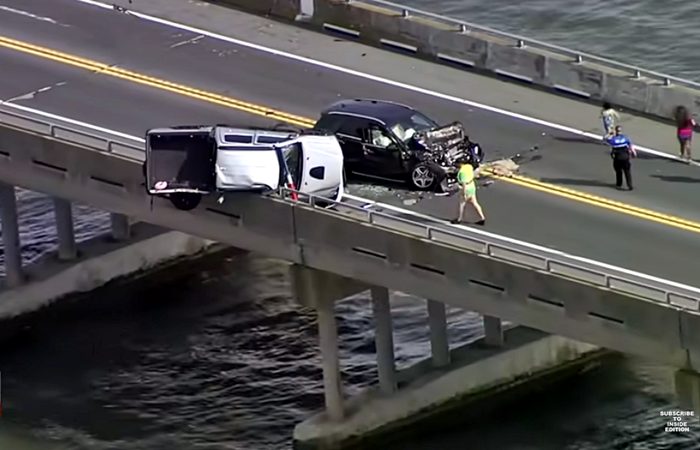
{"x": 621, "y": 145}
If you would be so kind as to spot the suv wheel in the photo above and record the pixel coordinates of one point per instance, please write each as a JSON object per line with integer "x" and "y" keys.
{"x": 422, "y": 178}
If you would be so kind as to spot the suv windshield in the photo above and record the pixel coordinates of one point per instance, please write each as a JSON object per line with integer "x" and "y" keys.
{"x": 407, "y": 126}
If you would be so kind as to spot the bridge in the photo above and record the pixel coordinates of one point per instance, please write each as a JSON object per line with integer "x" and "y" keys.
{"x": 65, "y": 96}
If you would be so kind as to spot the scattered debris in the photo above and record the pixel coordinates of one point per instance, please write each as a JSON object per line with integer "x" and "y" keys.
{"x": 500, "y": 168}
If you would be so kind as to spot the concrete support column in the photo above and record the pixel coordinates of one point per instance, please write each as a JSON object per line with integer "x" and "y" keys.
{"x": 687, "y": 386}
{"x": 10, "y": 236}
{"x": 493, "y": 328}
{"x": 439, "y": 344}
{"x": 121, "y": 229}
{"x": 384, "y": 339}
{"x": 332, "y": 383}
{"x": 64, "y": 229}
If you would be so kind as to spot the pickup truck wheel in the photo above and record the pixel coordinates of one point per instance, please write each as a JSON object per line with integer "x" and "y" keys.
{"x": 422, "y": 178}
{"x": 185, "y": 201}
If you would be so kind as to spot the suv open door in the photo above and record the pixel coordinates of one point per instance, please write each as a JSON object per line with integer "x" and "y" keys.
{"x": 180, "y": 164}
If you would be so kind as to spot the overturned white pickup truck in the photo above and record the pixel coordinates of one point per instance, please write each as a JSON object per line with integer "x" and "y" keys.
{"x": 184, "y": 163}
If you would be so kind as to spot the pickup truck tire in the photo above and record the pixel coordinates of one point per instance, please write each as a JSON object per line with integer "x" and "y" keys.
{"x": 184, "y": 201}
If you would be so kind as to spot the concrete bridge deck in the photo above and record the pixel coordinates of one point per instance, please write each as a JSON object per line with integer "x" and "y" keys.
{"x": 614, "y": 233}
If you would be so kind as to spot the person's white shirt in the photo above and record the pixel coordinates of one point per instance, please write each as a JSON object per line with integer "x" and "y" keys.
{"x": 380, "y": 139}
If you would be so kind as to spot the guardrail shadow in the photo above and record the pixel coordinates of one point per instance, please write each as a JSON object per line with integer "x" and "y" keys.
{"x": 676, "y": 178}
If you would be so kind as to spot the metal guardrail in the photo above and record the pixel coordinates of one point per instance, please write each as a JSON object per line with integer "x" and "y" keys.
{"x": 422, "y": 227}
{"x": 522, "y": 42}
{"x": 493, "y": 246}
{"x": 93, "y": 138}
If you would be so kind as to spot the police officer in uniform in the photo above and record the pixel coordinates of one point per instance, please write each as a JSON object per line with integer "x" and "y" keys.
{"x": 622, "y": 152}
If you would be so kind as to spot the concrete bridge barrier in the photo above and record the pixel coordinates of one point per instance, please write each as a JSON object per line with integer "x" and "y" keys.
{"x": 282, "y": 9}
{"x": 449, "y": 41}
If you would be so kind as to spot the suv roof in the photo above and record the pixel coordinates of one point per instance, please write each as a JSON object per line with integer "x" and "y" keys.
{"x": 383, "y": 110}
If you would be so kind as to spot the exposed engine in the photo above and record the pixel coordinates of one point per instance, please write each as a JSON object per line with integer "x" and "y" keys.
{"x": 448, "y": 146}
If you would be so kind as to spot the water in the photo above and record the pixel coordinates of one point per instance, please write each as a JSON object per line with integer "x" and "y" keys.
{"x": 217, "y": 356}
{"x": 657, "y": 35}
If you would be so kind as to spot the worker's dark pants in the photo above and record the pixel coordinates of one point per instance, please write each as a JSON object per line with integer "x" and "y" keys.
{"x": 622, "y": 166}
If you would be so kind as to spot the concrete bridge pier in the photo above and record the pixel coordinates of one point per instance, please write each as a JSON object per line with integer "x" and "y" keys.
{"x": 320, "y": 290}
{"x": 384, "y": 340}
{"x": 493, "y": 331}
{"x": 439, "y": 342}
{"x": 10, "y": 236}
{"x": 444, "y": 380}
{"x": 63, "y": 211}
{"x": 687, "y": 386}
{"x": 121, "y": 227}
{"x": 328, "y": 341}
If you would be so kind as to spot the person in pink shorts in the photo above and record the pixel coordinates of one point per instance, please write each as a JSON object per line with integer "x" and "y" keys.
{"x": 684, "y": 130}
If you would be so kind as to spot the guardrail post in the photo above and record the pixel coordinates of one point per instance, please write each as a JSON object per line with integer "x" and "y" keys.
{"x": 493, "y": 331}
{"x": 64, "y": 229}
{"x": 384, "y": 339}
{"x": 121, "y": 229}
{"x": 332, "y": 383}
{"x": 439, "y": 344}
{"x": 10, "y": 236}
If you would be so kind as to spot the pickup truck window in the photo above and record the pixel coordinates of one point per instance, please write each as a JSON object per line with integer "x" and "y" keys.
{"x": 238, "y": 138}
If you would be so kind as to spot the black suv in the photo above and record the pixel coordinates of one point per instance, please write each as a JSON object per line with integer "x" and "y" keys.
{"x": 391, "y": 141}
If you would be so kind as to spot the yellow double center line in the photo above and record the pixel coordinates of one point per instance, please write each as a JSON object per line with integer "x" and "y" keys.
{"x": 259, "y": 110}
{"x": 188, "y": 91}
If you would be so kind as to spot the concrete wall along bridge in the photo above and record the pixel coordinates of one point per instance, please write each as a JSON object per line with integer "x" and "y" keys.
{"x": 353, "y": 247}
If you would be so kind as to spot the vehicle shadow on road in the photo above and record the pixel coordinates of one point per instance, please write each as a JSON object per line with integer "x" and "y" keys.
{"x": 649, "y": 157}
{"x": 578, "y": 140}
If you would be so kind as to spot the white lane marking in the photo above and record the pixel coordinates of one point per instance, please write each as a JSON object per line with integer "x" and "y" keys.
{"x": 529, "y": 245}
{"x": 371, "y": 77}
{"x": 30, "y": 15}
{"x": 72, "y": 121}
{"x": 32, "y": 94}
{"x": 188, "y": 41}
{"x": 367, "y": 203}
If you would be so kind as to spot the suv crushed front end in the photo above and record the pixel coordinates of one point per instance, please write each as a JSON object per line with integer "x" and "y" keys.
{"x": 445, "y": 148}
